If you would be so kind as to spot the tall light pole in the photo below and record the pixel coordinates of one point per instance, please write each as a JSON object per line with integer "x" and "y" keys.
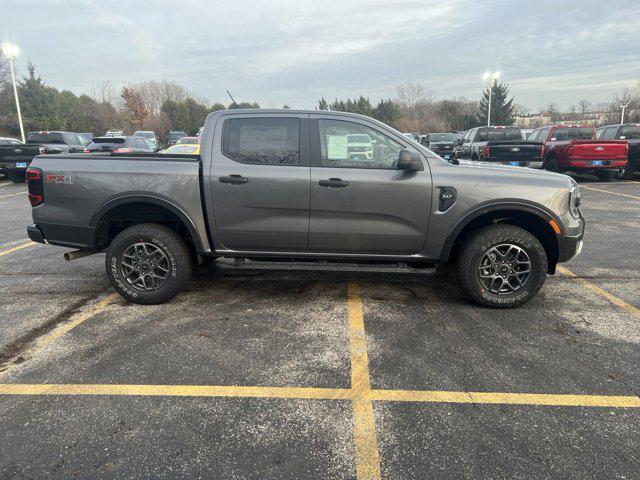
{"x": 490, "y": 78}
{"x": 624, "y": 107}
{"x": 11, "y": 52}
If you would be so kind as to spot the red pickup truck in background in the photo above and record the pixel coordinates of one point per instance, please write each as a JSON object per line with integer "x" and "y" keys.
{"x": 575, "y": 149}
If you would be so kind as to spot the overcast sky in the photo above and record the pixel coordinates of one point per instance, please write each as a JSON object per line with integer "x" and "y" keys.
{"x": 294, "y": 52}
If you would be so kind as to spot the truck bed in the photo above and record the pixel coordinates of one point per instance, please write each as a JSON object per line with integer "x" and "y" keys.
{"x": 79, "y": 189}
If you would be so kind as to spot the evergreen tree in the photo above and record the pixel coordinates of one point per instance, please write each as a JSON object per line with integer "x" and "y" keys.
{"x": 502, "y": 110}
{"x": 323, "y": 104}
{"x": 387, "y": 111}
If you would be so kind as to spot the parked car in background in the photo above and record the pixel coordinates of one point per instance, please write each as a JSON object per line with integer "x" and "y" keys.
{"x": 149, "y": 135}
{"x": 261, "y": 195}
{"x": 200, "y": 130}
{"x": 631, "y": 133}
{"x": 359, "y": 146}
{"x": 498, "y": 144}
{"x": 189, "y": 140}
{"x": 174, "y": 136}
{"x": 120, "y": 145}
{"x": 182, "y": 149}
{"x": 15, "y": 159}
{"x": 574, "y": 148}
{"x": 114, "y": 133}
{"x": 441, "y": 143}
{"x": 7, "y": 141}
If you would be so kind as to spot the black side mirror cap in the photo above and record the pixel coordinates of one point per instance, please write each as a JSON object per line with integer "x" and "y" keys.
{"x": 409, "y": 160}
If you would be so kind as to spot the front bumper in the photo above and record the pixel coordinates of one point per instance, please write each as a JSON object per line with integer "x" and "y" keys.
{"x": 570, "y": 246}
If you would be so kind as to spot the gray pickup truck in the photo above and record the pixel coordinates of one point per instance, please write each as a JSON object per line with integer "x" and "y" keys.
{"x": 282, "y": 187}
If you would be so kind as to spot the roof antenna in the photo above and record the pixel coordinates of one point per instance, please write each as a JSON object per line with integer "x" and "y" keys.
{"x": 234, "y": 102}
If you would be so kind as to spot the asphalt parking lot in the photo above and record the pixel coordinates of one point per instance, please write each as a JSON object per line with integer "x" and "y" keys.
{"x": 308, "y": 375}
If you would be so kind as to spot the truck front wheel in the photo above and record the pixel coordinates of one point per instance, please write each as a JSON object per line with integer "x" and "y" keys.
{"x": 501, "y": 266}
{"x": 148, "y": 263}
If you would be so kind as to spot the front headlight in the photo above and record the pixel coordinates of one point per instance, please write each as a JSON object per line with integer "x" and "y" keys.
{"x": 575, "y": 198}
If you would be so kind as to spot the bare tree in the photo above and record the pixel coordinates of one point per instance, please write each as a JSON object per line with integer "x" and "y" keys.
{"x": 103, "y": 91}
{"x": 154, "y": 93}
{"x": 585, "y": 106}
{"x": 410, "y": 94}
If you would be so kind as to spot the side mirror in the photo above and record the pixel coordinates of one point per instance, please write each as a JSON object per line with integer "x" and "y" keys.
{"x": 409, "y": 160}
{"x": 460, "y": 141}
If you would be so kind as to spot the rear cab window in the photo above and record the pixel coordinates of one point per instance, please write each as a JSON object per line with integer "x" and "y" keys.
{"x": 46, "y": 137}
{"x": 487, "y": 134}
{"x": 262, "y": 140}
{"x": 574, "y": 133}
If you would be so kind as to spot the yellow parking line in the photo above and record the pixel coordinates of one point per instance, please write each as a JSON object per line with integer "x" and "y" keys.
{"x": 175, "y": 391}
{"x": 501, "y": 398}
{"x": 603, "y": 293}
{"x": 19, "y": 247}
{"x": 67, "y": 327}
{"x": 310, "y": 393}
{"x": 366, "y": 444}
{"x": 13, "y": 194}
{"x": 612, "y": 193}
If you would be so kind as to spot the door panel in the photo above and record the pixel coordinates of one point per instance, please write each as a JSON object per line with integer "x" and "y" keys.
{"x": 378, "y": 212}
{"x": 360, "y": 202}
{"x": 261, "y": 207}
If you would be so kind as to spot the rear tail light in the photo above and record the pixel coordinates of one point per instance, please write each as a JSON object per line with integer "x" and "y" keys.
{"x": 42, "y": 150}
{"x": 485, "y": 151}
{"x": 36, "y": 189}
{"x": 122, "y": 150}
{"x": 86, "y": 150}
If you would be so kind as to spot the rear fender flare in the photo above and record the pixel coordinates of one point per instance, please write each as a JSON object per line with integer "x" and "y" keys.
{"x": 162, "y": 202}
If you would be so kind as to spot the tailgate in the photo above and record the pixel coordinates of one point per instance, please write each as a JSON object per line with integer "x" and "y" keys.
{"x": 513, "y": 151}
{"x": 18, "y": 153}
{"x": 599, "y": 149}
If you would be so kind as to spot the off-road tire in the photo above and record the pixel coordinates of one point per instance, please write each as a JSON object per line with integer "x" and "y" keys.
{"x": 166, "y": 241}
{"x": 469, "y": 259}
{"x": 606, "y": 175}
{"x": 17, "y": 177}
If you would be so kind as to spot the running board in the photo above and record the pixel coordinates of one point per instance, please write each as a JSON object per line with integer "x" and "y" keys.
{"x": 333, "y": 266}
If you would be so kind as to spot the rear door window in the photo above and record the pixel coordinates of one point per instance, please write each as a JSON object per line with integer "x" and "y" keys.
{"x": 262, "y": 140}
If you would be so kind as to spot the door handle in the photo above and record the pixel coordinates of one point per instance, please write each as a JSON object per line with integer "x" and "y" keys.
{"x": 234, "y": 179}
{"x": 333, "y": 182}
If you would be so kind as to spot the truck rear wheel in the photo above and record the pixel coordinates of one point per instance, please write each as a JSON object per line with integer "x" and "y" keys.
{"x": 501, "y": 266}
{"x": 17, "y": 176}
{"x": 148, "y": 263}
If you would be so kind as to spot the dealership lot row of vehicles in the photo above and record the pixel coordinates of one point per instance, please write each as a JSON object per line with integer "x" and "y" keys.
{"x": 611, "y": 150}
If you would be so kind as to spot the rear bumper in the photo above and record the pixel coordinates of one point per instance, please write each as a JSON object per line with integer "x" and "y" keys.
{"x": 35, "y": 234}
{"x": 535, "y": 162}
{"x": 62, "y": 235}
{"x": 593, "y": 164}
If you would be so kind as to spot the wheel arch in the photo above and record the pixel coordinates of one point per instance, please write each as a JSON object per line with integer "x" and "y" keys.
{"x": 533, "y": 218}
{"x": 165, "y": 209}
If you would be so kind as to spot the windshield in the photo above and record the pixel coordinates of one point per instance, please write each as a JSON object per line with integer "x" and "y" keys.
{"x": 442, "y": 137}
{"x": 630, "y": 132}
{"x": 177, "y": 134}
{"x": 487, "y": 134}
{"x": 574, "y": 134}
{"x": 45, "y": 137}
